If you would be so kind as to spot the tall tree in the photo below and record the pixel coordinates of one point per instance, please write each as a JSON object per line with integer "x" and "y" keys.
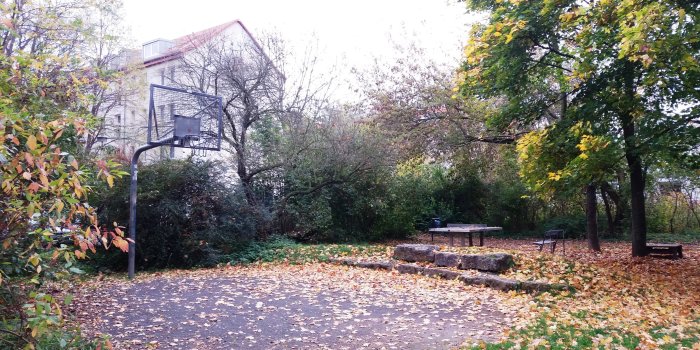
{"x": 269, "y": 114}
{"x": 109, "y": 83}
{"x": 89, "y": 36}
{"x": 560, "y": 161}
{"x": 630, "y": 68}
{"x": 248, "y": 77}
{"x": 414, "y": 102}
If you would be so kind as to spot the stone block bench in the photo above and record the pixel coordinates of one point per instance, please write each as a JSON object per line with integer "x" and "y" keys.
{"x": 481, "y": 279}
{"x": 487, "y": 264}
{"x": 672, "y": 249}
{"x": 430, "y": 253}
{"x": 415, "y": 252}
{"x": 374, "y": 265}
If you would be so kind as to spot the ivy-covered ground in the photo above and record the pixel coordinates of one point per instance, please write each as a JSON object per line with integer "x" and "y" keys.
{"x": 618, "y": 302}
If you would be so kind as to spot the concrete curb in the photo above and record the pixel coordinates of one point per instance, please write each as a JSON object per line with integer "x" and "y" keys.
{"x": 482, "y": 279}
{"x": 380, "y": 265}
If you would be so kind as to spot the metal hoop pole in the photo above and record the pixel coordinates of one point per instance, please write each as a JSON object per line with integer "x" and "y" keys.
{"x": 132, "y": 206}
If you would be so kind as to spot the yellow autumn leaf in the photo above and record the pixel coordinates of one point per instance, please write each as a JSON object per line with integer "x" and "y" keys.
{"x": 509, "y": 38}
{"x": 31, "y": 142}
{"x": 44, "y": 180}
{"x": 34, "y": 259}
{"x": 59, "y": 206}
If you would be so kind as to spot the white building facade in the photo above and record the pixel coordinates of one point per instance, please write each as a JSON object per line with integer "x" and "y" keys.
{"x": 159, "y": 62}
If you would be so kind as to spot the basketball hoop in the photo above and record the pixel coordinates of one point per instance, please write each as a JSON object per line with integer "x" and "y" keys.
{"x": 176, "y": 118}
{"x": 184, "y": 119}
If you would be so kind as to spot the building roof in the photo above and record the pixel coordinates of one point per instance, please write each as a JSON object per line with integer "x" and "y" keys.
{"x": 191, "y": 41}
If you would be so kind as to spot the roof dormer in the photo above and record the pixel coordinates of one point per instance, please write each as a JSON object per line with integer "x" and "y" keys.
{"x": 155, "y": 48}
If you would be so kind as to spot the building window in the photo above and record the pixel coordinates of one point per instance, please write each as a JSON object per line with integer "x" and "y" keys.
{"x": 162, "y": 76}
{"x": 118, "y": 126}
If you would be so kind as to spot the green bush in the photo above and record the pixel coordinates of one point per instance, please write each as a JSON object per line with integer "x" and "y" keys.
{"x": 376, "y": 206}
{"x": 574, "y": 225}
{"x": 671, "y": 213}
{"x": 257, "y": 251}
{"x": 186, "y": 215}
{"x": 465, "y": 194}
{"x": 506, "y": 206}
{"x": 347, "y": 212}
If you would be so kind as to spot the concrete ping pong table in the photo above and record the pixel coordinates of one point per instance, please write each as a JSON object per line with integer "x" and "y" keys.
{"x": 464, "y": 229}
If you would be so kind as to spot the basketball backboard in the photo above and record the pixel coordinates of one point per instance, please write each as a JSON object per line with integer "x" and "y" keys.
{"x": 181, "y": 118}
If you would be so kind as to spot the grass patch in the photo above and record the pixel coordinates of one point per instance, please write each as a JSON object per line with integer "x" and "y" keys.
{"x": 69, "y": 338}
{"x": 682, "y": 237}
{"x": 543, "y": 335}
{"x": 284, "y": 250}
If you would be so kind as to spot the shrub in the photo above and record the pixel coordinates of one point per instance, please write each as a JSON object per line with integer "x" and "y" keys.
{"x": 345, "y": 212}
{"x": 186, "y": 216}
{"x": 44, "y": 193}
{"x": 268, "y": 251}
{"x": 574, "y": 225}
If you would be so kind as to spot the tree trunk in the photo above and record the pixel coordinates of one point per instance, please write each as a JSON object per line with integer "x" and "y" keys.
{"x": 691, "y": 206}
{"x": 634, "y": 163}
{"x": 592, "y": 218}
{"x": 247, "y": 184}
{"x": 620, "y": 203}
{"x": 638, "y": 217}
{"x": 672, "y": 220}
{"x": 608, "y": 212}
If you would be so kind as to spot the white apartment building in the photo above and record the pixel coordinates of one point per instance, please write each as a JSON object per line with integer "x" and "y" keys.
{"x": 157, "y": 62}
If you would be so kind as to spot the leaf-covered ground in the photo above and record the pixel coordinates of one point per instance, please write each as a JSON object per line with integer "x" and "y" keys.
{"x": 294, "y": 300}
{"x": 283, "y": 306}
{"x": 619, "y": 302}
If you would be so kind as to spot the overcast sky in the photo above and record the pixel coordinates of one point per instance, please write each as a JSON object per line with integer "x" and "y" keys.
{"x": 348, "y": 33}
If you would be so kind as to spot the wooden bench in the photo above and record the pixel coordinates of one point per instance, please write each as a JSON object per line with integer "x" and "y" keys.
{"x": 673, "y": 249}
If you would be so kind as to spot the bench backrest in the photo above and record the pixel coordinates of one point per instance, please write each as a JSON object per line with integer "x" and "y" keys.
{"x": 554, "y": 234}
{"x": 466, "y": 225}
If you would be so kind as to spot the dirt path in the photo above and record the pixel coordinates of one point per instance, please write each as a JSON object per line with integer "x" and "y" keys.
{"x": 291, "y": 307}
